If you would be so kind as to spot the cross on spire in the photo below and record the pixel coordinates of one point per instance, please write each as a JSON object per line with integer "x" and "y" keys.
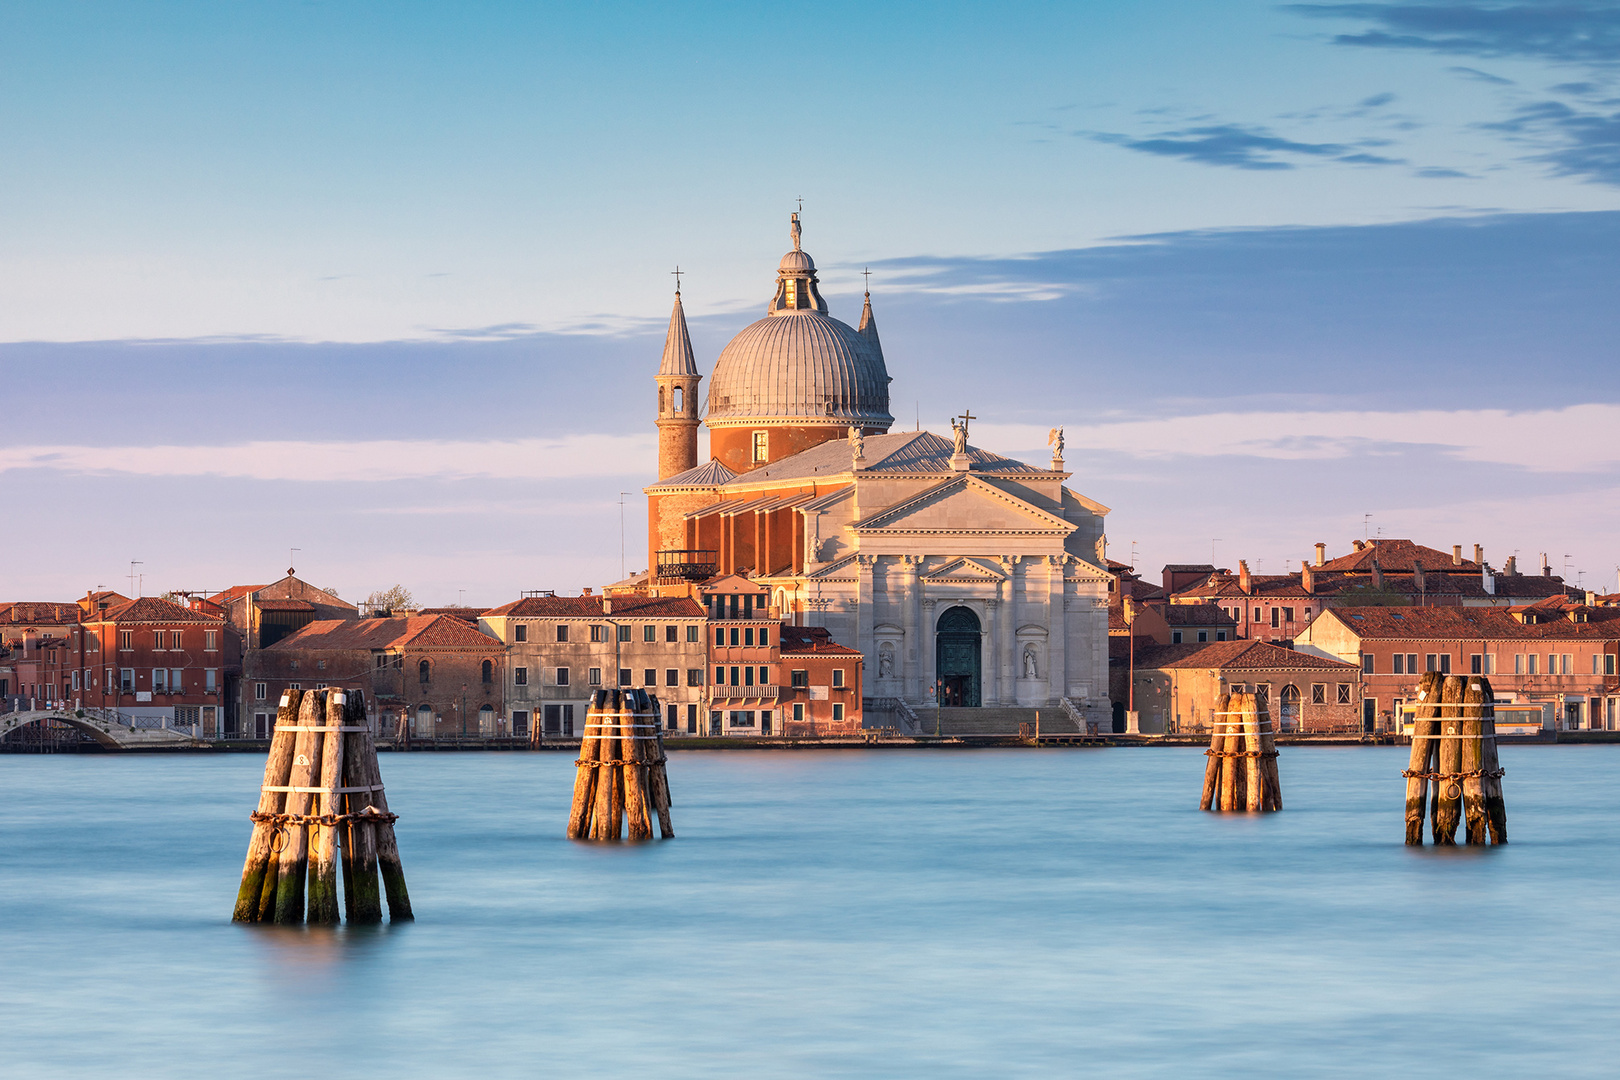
{"x": 677, "y": 272}
{"x": 867, "y": 274}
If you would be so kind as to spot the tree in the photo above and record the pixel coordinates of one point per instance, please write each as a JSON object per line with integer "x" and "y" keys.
{"x": 398, "y": 598}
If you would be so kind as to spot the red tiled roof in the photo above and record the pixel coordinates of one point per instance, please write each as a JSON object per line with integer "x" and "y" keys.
{"x": 625, "y": 607}
{"x": 1471, "y": 623}
{"x": 154, "y": 609}
{"x": 805, "y": 640}
{"x": 22, "y": 612}
{"x": 1399, "y": 555}
{"x": 286, "y": 605}
{"x": 395, "y": 632}
{"x": 235, "y": 592}
{"x": 1196, "y": 615}
{"x": 1237, "y": 656}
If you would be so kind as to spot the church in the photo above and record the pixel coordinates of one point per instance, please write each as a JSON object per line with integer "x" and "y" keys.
{"x": 965, "y": 579}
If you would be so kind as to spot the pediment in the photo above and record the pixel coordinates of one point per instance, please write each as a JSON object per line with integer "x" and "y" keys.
{"x": 965, "y": 569}
{"x": 840, "y": 570}
{"x": 964, "y": 506}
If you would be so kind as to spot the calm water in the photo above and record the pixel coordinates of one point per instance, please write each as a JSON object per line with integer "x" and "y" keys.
{"x": 879, "y": 913}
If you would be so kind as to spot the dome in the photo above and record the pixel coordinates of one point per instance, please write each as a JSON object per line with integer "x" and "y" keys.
{"x": 799, "y": 366}
{"x": 796, "y": 262}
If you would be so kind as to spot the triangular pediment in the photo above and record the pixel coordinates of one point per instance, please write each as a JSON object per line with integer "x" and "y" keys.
{"x": 965, "y": 570}
{"x": 835, "y": 571}
{"x": 964, "y": 506}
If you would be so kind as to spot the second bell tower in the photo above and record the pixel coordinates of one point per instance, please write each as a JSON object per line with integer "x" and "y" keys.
{"x": 678, "y": 380}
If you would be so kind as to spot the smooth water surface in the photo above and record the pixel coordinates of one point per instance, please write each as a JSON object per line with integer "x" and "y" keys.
{"x": 875, "y": 913}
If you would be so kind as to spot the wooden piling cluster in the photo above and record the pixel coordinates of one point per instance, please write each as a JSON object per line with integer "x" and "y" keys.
{"x": 322, "y": 811}
{"x": 1242, "y": 770}
{"x": 620, "y": 776}
{"x": 1454, "y": 772}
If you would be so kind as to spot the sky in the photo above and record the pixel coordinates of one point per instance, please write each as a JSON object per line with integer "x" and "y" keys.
{"x": 379, "y": 289}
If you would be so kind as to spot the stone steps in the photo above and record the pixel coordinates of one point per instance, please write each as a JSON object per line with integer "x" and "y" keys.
{"x": 995, "y": 720}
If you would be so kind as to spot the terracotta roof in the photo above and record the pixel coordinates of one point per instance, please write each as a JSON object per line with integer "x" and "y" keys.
{"x": 1398, "y": 555}
{"x": 22, "y": 612}
{"x": 154, "y": 609}
{"x": 1196, "y": 615}
{"x": 233, "y": 593}
{"x": 1471, "y": 623}
{"x": 806, "y": 640}
{"x": 1188, "y": 568}
{"x": 455, "y": 611}
{"x": 626, "y": 607}
{"x": 394, "y": 632}
{"x": 286, "y": 605}
{"x": 1237, "y": 656}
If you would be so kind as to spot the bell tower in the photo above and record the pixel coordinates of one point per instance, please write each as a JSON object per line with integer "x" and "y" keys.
{"x": 678, "y": 380}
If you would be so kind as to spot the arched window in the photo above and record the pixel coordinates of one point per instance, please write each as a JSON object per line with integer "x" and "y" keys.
{"x": 486, "y": 721}
{"x": 660, "y": 401}
{"x": 422, "y": 672}
{"x": 676, "y": 400}
{"x": 489, "y": 672}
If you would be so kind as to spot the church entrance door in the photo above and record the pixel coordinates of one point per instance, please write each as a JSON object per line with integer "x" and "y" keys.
{"x": 956, "y": 653}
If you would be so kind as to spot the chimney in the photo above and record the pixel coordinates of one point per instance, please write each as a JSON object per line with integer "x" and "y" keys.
{"x": 1456, "y": 554}
{"x": 1378, "y": 575}
{"x": 586, "y": 591}
{"x": 1487, "y": 581}
{"x": 1546, "y": 567}
{"x": 1479, "y": 555}
{"x": 1591, "y": 598}
{"x": 1306, "y": 579}
{"x": 1417, "y": 575}
{"x": 1321, "y": 554}
{"x": 1359, "y": 544}
{"x": 1243, "y": 575}
{"x": 1512, "y": 567}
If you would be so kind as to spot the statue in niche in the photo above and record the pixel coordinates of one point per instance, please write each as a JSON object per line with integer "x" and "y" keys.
{"x": 1030, "y": 667}
{"x": 886, "y": 661}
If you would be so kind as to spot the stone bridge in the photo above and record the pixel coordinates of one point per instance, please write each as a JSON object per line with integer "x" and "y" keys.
{"x": 104, "y": 727}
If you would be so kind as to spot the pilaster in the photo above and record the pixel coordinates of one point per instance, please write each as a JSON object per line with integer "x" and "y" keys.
{"x": 1057, "y": 628}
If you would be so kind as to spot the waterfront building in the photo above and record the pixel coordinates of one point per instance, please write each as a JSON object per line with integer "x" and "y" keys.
{"x": 561, "y": 649}
{"x": 821, "y": 693}
{"x": 959, "y": 575}
{"x": 424, "y": 676}
{"x": 1178, "y": 687}
{"x": 154, "y": 659}
{"x": 264, "y": 614}
{"x": 1559, "y": 654}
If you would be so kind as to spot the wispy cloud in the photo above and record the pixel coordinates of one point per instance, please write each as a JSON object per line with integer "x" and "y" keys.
{"x": 1238, "y": 146}
{"x": 505, "y": 459}
{"x": 1585, "y": 443}
{"x": 1481, "y": 76}
{"x": 1577, "y": 143}
{"x": 1568, "y": 31}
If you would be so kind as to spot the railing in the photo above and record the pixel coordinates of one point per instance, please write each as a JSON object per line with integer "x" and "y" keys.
{"x": 1075, "y": 715}
{"x": 908, "y": 717}
{"x": 687, "y": 564}
{"x": 741, "y": 693}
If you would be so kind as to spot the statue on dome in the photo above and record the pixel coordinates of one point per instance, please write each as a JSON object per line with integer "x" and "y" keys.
{"x": 793, "y": 231}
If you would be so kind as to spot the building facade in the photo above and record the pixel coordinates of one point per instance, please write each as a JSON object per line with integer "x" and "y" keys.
{"x": 1178, "y": 687}
{"x": 960, "y": 576}
{"x": 560, "y": 649}
{"x": 155, "y": 659}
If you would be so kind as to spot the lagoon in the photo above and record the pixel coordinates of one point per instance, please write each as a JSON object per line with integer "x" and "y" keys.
{"x": 883, "y": 913}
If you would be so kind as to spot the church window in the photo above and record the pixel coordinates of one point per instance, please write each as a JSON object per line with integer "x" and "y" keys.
{"x": 486, "y": 674}
{"x": 761, "y": 445}
{"x": 792, "y": 293}
{"x": 660, "y": 399}
{"x": 423, "y": 670}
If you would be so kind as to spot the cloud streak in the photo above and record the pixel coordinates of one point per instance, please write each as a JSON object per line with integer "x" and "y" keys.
{"x": 1240, "y": 146}
{"x": 1571, "y": 31}
{"x": 586, "y": 455}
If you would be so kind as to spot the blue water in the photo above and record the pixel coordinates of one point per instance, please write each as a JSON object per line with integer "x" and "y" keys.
{"x": 835, "y": 913}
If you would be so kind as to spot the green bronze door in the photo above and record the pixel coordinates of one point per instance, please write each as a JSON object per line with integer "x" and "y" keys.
{"x": 956, "y": 654}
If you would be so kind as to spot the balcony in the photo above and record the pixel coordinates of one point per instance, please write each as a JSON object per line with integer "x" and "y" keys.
{"x": 742, "y": 693}
{"x": 686, "y": 564}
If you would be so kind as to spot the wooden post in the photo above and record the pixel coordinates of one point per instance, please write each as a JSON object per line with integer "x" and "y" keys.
{"x": 388, "y": 863}
{"x": 635, "y": 773}
{"x": 362, "y": 898}
{"x": 1495, "y": 807}
{"x": 1229, "y": 744}
{"x": 292, "y": 865}
{"x": 1473, "y": 713}
{"x": 1212, "y": 763}
{"x": 579, "y": 815}
{"x": 1268, "y": 763}
{"x": 1448, "y": 796}
{"x": 1254, "y": 789}
{"x": 607, "y": 777}
{"x": 658, "y": 782}
{"x": 1423, "y": 753}
{"x": 261, "y": 848}
{"x": 323, "y": 886}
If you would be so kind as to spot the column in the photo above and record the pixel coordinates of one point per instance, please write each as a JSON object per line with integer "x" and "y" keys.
{"x": 990, "y": 660}
{"x": 910, "y": 668}
{"x": 864, "y": 613}
{"x": 1010, "y": 660}
{"x": 1057, "y": 629}
{"x": 925, "y": 642}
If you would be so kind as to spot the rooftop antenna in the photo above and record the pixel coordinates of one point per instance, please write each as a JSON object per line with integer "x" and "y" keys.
{"x": 290, "y": 560}
{"x": 1366, "y": 526}
{"x": 1213, "y": 541}
{"x": 918, "y": 406}
{"x": 1133, "y": 554}
{"x": 622, "y": 573}
{"x": 133, "y": 563}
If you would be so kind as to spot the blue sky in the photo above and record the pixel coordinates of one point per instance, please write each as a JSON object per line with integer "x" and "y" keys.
{"x": 385, "y": 282}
